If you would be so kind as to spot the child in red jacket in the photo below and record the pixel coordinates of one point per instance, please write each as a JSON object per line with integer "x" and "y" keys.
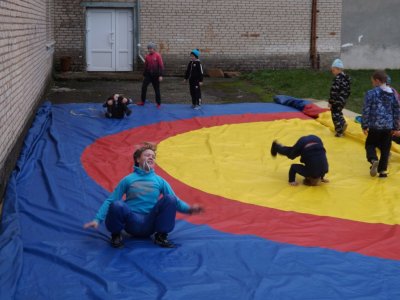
{"x": 153, "y": 72}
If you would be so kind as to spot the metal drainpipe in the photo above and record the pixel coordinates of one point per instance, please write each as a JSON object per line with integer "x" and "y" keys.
{"x": 138, "y": 30}
{"x": 314, "y": 56}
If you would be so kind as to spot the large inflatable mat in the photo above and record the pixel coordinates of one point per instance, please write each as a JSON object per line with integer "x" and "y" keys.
{"x": 259, "y": 238}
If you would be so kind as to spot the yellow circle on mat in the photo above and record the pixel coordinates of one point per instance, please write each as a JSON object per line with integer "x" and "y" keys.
{"x": 234, "y": 161}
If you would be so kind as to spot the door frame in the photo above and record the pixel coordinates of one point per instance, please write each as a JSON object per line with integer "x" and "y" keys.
{"x": 110, "y": 5}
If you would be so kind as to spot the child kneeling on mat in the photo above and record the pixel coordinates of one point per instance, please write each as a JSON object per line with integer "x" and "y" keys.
{"x": 313, "y": 156}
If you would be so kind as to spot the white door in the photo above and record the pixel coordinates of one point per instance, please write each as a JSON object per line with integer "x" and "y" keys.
{"x": 109, "y": 40}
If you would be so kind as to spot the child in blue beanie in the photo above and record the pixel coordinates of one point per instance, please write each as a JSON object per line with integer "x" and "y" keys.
{"x": 194, "y": 73}
{"x": 340, "y": 91}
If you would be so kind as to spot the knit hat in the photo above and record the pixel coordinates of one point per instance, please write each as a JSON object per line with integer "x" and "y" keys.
{"x": 337, "y": 63}
{"x": 151, "y": 45}
{"x": 195, "y": 52}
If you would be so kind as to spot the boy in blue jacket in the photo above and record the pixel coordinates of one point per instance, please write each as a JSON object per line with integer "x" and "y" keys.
{"x": 150, "y": 206}
{"x": 380, "y": 118}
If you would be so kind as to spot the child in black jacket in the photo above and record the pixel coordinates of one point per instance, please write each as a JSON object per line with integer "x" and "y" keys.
{"x": 117, "y": 106}
{"x": 312, "y": 156}
{"x": 194, "y": 73}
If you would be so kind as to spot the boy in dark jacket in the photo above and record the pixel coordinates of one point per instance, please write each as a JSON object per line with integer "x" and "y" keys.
{"x": 194, "y": 73}
{"x": 117, "y": 106}
{"x": 340, "y": 91}
{"x": 313, "y": 156}
{"x": 380, "y": 119}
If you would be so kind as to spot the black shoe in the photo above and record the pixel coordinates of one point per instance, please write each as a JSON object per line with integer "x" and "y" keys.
{"x": 128, "y": 112}
{"x": 161, "y": 239}
{"x": 383, "y": 175}
{"x": 338, "y": 134}
{"x": 116, "y": 240}
{"x": 274, "y": 150}
{"x": 108, "y": 115}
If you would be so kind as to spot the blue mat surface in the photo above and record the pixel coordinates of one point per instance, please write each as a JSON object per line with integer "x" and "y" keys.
{"x": 46, "y": 254}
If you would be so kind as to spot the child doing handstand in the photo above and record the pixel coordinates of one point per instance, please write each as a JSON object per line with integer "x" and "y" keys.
{"x": 313, "y": 156}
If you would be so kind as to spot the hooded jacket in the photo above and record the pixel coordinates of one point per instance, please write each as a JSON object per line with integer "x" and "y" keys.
{"x": 380, "y": 110}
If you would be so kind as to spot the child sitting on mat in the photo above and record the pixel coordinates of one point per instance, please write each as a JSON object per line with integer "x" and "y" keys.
{"x": 117, "y": 106}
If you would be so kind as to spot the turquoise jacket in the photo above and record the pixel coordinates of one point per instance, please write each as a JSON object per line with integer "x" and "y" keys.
{"x": 142, "y": 191}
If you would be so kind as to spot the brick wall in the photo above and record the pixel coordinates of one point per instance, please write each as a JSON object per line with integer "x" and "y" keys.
{"x": 69, "y": 29}
{"x": 329, "y": 31}
{"x": 26, "y": 64}
{"x": 232, "y": 34}
{"x": 245, "y": 35}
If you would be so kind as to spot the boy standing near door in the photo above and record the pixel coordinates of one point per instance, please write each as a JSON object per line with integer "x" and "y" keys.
{"x": 153, "y": 72}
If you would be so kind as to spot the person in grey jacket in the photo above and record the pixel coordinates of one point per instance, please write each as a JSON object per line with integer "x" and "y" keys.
{"x": 380, "y": 118}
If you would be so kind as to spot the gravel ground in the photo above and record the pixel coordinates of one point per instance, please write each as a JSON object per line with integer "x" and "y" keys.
{"x": 173, "y": 90}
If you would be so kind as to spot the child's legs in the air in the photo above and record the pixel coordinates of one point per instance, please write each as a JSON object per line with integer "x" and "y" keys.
{"x": 283, "y": 150}
{"x": 297, "y": 148}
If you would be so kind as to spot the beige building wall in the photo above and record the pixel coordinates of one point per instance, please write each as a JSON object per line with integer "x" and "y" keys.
{"x": 231, "y": 34}
{"x": 26, "y": 56}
